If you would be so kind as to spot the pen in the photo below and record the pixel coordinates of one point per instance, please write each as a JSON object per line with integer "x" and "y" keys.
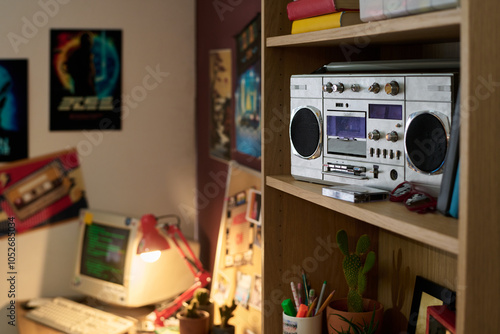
{"x": 305, "y": 286}
{"x": 321, "y": 296}
{"x": 299, "y": 292}
{"x": 295, "y": 296}
{"x": 327, "y": 301}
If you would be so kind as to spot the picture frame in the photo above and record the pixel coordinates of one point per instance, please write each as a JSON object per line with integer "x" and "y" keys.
{"x": 427, "y": 293}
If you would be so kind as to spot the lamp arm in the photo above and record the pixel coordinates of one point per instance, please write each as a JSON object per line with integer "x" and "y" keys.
{"x": 202, "y": 277}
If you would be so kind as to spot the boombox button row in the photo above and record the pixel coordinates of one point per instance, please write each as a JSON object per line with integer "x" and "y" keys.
{"x": 384, "y": 153}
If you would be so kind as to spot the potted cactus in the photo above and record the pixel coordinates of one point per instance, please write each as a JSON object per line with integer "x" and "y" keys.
{"x": 192, "y": 320}
{"x": 226, "y": 313}
{"x": 356, "y": 309}
{"x": 202, "y": 295}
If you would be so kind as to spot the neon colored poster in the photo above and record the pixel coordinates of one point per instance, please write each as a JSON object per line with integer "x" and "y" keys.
{"x": 85, "y": 79}
{"x": 13, "y": 109}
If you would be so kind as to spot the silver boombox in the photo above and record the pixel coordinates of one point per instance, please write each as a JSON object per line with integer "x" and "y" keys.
{"x": 374, "y": 130}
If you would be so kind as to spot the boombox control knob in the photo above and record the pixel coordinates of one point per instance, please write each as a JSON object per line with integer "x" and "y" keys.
{"x": 355, "y": 88}
{"x": 328, "y": 87}
{"x": 374, "y": 135}
{"x": 339, "y": 87}
{"x": 374, "y": 88}
{"x": 392, "y": 136}
{"x": 392, "y": 88}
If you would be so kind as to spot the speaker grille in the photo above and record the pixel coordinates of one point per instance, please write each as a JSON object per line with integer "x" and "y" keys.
{"x": 305, "y": 132}
{"x": 426, "y": 143}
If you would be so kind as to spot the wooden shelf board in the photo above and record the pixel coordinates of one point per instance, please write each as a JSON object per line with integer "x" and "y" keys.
{"x": 432, "y": 229}
{"x": 435, "y": 26}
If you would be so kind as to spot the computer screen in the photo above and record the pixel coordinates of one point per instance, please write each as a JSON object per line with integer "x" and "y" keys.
{"x": 109, "y": 269}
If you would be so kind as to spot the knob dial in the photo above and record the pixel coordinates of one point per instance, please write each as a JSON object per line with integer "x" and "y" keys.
{"x": 374, "y": 88}
{"x": 392, "y": 136}
{"x": 338, "y": 87}
{"x": 392, "y": 88}
{"x": 355, "y": 88}
{"x": 374, "y": 135}
{"x": 328, "y": 87}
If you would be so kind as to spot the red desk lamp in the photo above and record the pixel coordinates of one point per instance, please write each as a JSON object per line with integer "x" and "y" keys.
{"x": 151, "y": 245}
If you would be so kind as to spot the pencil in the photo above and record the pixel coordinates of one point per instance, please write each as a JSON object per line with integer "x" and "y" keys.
{"x": 327, "y": 301}
{"x": 311, "y": 308}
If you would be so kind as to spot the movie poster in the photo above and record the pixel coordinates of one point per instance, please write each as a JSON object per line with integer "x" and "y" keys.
{"x": 85, "y": 79}
{"x": 13, "y": 109}
{"x": 220, "y": 91}
{"x": 247, "y": 114}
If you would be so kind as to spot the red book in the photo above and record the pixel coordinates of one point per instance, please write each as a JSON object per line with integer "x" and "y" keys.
{"x": 302, "y": 9}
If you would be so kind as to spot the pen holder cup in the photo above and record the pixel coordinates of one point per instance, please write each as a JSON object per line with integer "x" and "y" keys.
{"x": 308, "y": 325}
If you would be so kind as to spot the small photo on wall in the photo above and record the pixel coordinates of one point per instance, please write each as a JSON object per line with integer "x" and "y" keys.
{"x": 13, "y": 109}
{"x": 85, "y": 79}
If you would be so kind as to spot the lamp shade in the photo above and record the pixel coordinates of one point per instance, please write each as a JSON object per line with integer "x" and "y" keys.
{"x": 151, "y": 240}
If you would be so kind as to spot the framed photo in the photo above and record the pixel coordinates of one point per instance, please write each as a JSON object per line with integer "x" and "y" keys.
{"x": 85, "y": 79}
{"x": 440, "y": 320}
{"x": 254, "y": 206}
{"x": 427, "y": 293}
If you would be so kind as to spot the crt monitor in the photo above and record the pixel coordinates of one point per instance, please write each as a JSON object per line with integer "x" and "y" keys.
{"x": 109, "y": 269}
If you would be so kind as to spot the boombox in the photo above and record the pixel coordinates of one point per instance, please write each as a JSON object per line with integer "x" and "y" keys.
{"x": 374, "y": 130}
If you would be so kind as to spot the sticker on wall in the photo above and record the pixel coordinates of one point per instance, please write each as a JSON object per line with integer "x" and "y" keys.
{"x": 85, "y": 79}
{"x": 39, "y": 191}
{"x": 220, "y": 91}
{"x": 13, "y": 109}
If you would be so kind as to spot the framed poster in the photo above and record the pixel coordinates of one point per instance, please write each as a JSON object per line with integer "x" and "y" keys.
{"x": 220, "y": 91}
{"x": 247, "y": 114}
{"x": 39, "y": 191}
{"x": 85, "y": 79}
{"x": 13, "y": 109}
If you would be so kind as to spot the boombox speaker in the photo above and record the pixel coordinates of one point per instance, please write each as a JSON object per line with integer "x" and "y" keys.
{"x": 306, "y": 133}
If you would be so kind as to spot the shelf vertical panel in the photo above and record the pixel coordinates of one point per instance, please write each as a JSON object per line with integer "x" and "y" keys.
{"x": 479, "y": 228}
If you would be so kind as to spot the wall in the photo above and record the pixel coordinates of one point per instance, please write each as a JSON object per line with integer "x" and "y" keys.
{"x": 148, "y": 166}
{"x": 218, "y": 21}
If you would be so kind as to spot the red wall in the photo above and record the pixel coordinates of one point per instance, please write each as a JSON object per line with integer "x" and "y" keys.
{"x": 218, "y": 21}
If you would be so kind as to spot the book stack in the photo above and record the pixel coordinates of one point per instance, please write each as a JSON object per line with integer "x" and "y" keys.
{"x": 312, "y": 15}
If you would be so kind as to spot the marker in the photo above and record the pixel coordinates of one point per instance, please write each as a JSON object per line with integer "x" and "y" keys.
{"x": 302, "y": 311}
{"x": 311, "y": 296}
{"x": 320, "y": 297}
{"x": 288, "y": 308}
{"x": 295, "y": 296}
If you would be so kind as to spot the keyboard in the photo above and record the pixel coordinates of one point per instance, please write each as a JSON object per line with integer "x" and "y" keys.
{"x": 72, "y": 317}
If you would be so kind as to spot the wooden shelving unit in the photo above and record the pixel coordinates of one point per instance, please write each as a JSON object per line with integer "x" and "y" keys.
{"x": 462, "y": 254}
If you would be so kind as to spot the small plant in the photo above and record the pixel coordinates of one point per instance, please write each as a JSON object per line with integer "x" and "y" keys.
{"x": 226, "y": 313}
{"x": 202, "y": 295}
{"x": 369, "y": 328}
{"x": 355, "y": 270}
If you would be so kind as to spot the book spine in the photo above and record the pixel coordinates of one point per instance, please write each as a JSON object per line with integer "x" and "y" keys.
{"x": 328, "y": 21}
{"x": 302, "y": 9}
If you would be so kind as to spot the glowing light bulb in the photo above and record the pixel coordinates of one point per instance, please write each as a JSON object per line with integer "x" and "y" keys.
{"x": 151, "y": 256}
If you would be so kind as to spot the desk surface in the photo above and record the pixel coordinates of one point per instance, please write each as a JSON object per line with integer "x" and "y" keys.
{"x": 28, "y": 326}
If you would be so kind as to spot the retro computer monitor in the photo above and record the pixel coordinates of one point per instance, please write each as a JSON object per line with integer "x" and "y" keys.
{"x": 109, "y": 269}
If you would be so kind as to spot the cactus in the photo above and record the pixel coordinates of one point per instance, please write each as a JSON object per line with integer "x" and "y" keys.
{"x": 192, "y": 309}
{"x": 202, "y": 295}
{"x": 226, "y": 313}
{"x": 355, "y": 270}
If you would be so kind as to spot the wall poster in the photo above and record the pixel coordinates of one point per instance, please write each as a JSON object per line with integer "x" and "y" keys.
{"x": 13, "y": 109}
{"x": 247, "y": 117}
{"x": 85, "y": 79}
{"x": 220, "y": 91}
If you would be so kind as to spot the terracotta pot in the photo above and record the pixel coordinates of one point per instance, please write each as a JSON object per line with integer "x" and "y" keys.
{"x": 226, "y": 330}
{"x": 193, "y": 325}
{"x": 339, "y": 306}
